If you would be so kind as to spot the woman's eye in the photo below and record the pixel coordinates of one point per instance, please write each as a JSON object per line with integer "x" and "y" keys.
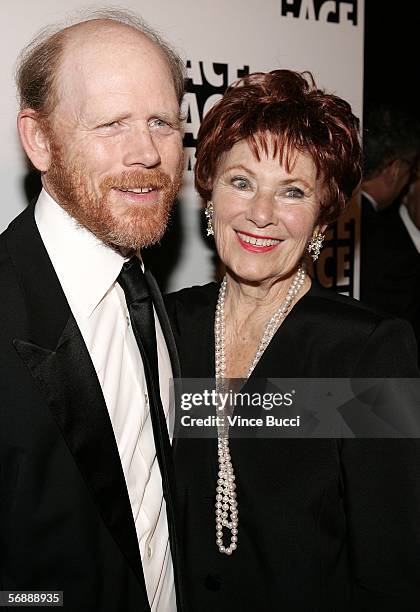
{"x": 109, "y": 127}
{"x": 240, "y": 182}
{"x": 294, "y": 192}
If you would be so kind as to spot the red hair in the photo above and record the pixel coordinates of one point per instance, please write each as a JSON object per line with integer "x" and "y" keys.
{"x": 285, "y": 109}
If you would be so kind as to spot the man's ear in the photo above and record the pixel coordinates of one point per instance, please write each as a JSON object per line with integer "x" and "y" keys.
{"x": 34, "y": 138}
{"x": 392, "y": 171}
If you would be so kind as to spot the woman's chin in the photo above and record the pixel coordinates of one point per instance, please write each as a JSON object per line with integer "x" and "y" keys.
{"x": 255, "y": 276}
{"x": 249, "y": 276}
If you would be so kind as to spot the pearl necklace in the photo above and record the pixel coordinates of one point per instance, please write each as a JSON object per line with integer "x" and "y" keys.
{"x": 226, "y": 504}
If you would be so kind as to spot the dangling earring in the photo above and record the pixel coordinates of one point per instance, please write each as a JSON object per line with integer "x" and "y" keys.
{"x": 315, "y": 245}
{"x": 209, "y": 216}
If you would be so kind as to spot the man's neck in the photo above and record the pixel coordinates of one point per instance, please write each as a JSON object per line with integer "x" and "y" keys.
{"x": 376, "y": 192}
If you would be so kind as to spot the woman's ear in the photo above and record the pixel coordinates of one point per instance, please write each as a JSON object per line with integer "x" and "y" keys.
{"x": 34, "y": 138}
{"x": 320, "y": 228}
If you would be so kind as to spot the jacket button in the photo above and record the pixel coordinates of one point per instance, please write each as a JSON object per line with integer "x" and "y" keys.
{"x": 213, "y": 582}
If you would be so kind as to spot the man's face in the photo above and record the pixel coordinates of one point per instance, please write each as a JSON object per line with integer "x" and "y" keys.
{"x": 116, "y": 148}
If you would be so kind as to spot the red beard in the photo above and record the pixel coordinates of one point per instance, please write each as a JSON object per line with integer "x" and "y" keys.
{"x": 133, "y": 226}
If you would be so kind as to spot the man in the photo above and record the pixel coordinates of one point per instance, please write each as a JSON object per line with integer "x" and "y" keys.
{"x": 85, "y": 466}
{"x": 390, "y": 259}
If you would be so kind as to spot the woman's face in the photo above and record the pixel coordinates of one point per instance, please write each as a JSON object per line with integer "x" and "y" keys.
{"x": 264, "y": 217}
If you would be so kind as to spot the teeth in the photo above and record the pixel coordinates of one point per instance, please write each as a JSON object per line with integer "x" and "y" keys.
{"x": 139, "y": 190}
{"x": 258, "y": 241}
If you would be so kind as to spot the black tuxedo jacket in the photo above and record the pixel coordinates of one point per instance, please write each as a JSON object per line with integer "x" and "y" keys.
{"x": 325, "y": 525}
{"x": 389, "y": 265}
{"x": 65, "y": 517}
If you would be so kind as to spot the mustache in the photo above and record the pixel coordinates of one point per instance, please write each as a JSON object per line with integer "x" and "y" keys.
{"x": 137, "y": 179}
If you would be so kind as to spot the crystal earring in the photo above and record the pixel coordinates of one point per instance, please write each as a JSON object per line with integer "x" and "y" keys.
{"x": 209, "y": 216}
{"x": 315, "y": 245}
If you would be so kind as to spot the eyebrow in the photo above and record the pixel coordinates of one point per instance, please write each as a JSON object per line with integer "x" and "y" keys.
{"x": 107, "y": 117}
{"x": 238, "y": 167}
{"x": 286, "y": 181}
{"x": 174, "y": 120}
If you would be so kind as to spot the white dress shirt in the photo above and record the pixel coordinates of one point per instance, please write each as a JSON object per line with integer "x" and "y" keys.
{"x": 371, "y": 200}
{"x": 410, "y": 226}
{"x": 87, "y": 270}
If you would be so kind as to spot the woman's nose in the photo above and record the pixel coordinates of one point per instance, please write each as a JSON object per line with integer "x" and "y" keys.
{"x": 261, "y": 210}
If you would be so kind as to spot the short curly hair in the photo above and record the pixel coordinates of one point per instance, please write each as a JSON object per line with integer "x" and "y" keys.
{"x": 287, "y": 109}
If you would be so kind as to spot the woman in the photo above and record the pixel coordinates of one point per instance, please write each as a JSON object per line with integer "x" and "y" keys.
{"x": 312, "y": 524}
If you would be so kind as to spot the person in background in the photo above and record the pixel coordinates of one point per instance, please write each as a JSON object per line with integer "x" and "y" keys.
{"x": 289, "y": 524}
{"x": 390, "y": 236}
{"x": 86, "y": 349}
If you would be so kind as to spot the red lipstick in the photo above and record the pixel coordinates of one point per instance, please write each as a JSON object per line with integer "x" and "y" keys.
{"x": 256, "y": 248}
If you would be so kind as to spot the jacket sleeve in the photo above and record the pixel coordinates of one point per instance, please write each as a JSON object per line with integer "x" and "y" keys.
{"x": 381, "y": 480}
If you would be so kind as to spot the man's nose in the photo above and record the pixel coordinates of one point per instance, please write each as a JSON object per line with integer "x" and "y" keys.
{"x": 141, "y": 149}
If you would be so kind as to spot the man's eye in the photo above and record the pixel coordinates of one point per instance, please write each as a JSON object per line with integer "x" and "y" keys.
{"x": 161, "y": 125}
{"x": 240, "y": 182}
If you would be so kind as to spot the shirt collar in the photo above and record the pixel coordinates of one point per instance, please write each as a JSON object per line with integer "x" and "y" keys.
{"x": 371, "y": 200}
{"x": 410, "y": 226}
{"x": 86, "y": 268}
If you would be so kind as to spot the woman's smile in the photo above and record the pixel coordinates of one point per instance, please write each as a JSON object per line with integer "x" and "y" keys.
{"x": 257, "y": 244}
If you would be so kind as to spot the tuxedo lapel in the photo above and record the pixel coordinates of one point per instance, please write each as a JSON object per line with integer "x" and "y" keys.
{"x": 56, "y": 355}
{"x": 69, "y": 383}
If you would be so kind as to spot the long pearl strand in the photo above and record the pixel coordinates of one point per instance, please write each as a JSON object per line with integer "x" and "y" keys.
{"x": 226, "y": 504}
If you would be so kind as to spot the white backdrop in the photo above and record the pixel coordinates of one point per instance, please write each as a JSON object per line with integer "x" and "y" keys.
{"x": 323, "y": 36}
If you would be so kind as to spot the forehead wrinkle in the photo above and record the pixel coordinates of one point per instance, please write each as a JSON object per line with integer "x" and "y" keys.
{"x": 96, "y": 65}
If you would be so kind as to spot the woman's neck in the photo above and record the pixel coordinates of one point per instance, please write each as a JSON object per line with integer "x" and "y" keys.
{"x": 244, "y": 299}
{"x": 248, "y": 308}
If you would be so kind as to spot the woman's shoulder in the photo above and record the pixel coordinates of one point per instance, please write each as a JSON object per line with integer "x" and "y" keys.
{"x": 340, "y": 309}
{"x": 192, "y": 301}
{"x": 196, "y": 296}
{"x": 344, "y": 316}
{"x": 197, "y": 293}
{"x": 345, "y": 327}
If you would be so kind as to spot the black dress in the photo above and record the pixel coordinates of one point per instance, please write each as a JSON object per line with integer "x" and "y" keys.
{"x": 324, "y": 524}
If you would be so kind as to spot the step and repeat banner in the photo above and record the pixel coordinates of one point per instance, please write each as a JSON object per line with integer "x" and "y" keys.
{"x": 220, "y": 41}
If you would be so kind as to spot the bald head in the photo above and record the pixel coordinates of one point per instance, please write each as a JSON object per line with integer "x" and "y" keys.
{"x": 43, "y": 61}
{"x": 101, "y": 62}
{"x": 100, "y": 120}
